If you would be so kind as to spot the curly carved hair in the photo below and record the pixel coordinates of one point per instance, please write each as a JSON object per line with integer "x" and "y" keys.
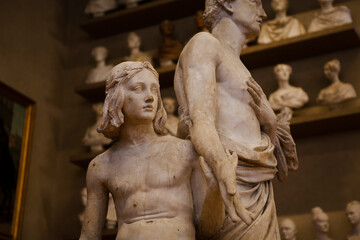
{"x": 214, "y": 11}
{"x": 113, "y": 116}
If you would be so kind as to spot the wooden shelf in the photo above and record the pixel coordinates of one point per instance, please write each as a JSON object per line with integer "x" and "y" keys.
{"x": 144, "y": 15}
{"x": 306, "y": 122}
{"x": 307, "y": 45}
{"x": 95, "y": 92}
{"x": 318, "y": 120}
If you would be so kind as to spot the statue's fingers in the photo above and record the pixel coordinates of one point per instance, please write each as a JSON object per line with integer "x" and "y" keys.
{"x": 255, "y": 96}
{"x": 257, "y": 86}
{"x": 207, "y": 171}
{"x": 229, "y": 204}
{"x": 255, "y": 107}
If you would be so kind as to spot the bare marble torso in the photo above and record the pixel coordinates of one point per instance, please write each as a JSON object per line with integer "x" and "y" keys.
{"x": 145, "y": 182}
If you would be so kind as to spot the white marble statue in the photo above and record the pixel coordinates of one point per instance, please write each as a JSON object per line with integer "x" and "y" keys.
{"x": 221, "y": 107}
{"x": 102, "y": 70}
{"x": 282, "y": 27}
{"x": 172, "y": 121}
{"x": 130, "y": 3}
{"x": 288, "y": 229}
{"x": 83, "y": 196}
{"x": 199, "y": 19}
{"x": 286, "y": 95}
{"x": 353, "y": 215}
{"x": 161, "y": 187}
{"x": 321, "y": 223}
{"x": 97, "y": 8}
{"x": 92, "y": 138}
{"x": 329, "y": 16}
{"x": 338, "y": 91}
{"x": 134, "y": 43}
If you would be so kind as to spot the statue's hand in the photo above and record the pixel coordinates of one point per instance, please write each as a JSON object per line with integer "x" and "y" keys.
{"x": 263, "y": 111}
{"x": 232, "y": 200}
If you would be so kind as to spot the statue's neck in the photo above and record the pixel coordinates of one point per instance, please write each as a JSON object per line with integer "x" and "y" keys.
{"x": 227, "y": 32}
{"x": 137, "y": 134}
{"x": 283, "y": 84}
{"x": 135, "y": 50}
{"x": 356, "y": 230}
{"x": 100, "y": 64}
{"x": 281, "y": 15}
{"x": 326, "y": 6}
{"x": 322, "y": 236}
{"x": 335, "y": 80}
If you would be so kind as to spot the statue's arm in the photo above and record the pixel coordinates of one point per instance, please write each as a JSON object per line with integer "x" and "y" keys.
{"x": 97, "y": 202}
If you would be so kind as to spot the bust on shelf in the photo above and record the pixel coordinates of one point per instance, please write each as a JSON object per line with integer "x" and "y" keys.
{"x": 92, "y": 138}
{"x": 134, "y": 43}
{"x": 286, "y": 95}
{"x": 102, "y": 70}
{"x": 199, "y": 18}
{"x": 158, "y": 182}
{"x": 321, "y": 223}
{"x": 97, "y": 8}
{"x": 282, "y": 27}
{"x": 172, "y": 121}
{"x": 288, "y": 229}
{"x": 329, "y": 16}
{"x": 353, "y": 215}
{"x": 170, "y": 49}
{"x": 130, "y": 3}
{"x": 338, "y": 91}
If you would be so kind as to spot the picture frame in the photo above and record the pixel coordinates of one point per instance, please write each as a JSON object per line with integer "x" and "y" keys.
{"x": 17, "y": 113}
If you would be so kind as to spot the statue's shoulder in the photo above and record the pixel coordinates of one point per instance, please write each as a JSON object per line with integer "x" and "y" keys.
{"x": 203, "y": 40}
{"x": 184, "y": 146}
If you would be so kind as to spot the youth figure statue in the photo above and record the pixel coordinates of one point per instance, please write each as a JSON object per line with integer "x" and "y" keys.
{"x": 158, "y": 186}
{"x": 222, "y": 109}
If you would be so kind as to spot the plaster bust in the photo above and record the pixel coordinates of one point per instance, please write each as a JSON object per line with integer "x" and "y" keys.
{"x": 282, "y": 27}
{"x": 286, "y": 95}
{"x": 329, "y": 16}
{"x": 172, "y": 121}
{"x": 101, "y": 71}
{"x": 222, "y": 107}
{"x": 97, "y": 8}
{"x": 338, "y": 91}
{"x": 321, "y": 223}
{"x": 160, "y": 186}
{"x": 288, "y": 229}
{"x": 134, "y": 43}
{"x": 199, "y": 18}
{"x": 353, "y": 215}
{"x": 92, "y": 138}
{"x": 170, "y": 49}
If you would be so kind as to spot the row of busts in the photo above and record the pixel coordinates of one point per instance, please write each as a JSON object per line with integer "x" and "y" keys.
{"x": 295, "y": 97}
{"x": 166, "y": 55}
{"x": 284, "y": 27}
{"x": 321, "y": 224}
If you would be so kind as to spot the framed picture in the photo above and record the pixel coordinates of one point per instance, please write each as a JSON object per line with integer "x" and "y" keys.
{"x": 16, "y": 126}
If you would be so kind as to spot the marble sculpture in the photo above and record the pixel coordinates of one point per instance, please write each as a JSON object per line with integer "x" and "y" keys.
{"x": 97, "y": 8}
{"x": 199, "y": 18}
{"x": 329, "y": 16}
{"x": 338, "y": 91}
{"x": 282, "y": 27}
{"x": 172, "y": 121}
{"x": 353, "y": 215}
{"x": 92, "y": 138}
{"x": 288, "y": 229}
{"x": 161, "y": 187}
{"x": 223, "y": 109}
{"x": 134, "y": 43}
{"x": 170, "y": 49}
{"x": 321, "y": 223}
{"x": 101, "y": 71}
{"x": 286, "y": 95}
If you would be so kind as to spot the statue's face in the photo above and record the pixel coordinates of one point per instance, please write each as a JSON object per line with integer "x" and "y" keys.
{"x": 248, "y": 15}
{"x": 100, "y": 54}
{"x": 282, "y": 73}
{"x": 141, "y": 98}
{"x": 330, "y": 71}
{"x": 169, "y": 105}
{"x": 134, "y": 41}
{"x": 322, "y": 223}
{"x": 167, "y": 28}
{"x": 279, "y": 5}
{"x": 287, "y": 229}
{"x": 353, "y": 214}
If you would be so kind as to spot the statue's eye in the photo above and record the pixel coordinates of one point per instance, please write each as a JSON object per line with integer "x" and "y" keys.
{"x": 137, "y": 88}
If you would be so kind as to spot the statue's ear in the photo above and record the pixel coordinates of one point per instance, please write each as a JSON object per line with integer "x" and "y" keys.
{"x": 227, "y": 5}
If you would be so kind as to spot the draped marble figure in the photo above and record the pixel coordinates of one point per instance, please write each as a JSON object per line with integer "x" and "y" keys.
{"x": 286, "y": 95}
{"x": 337, "y": 91}
{"x": 223, "y": 109}
{"x": 282, "y": 27}
{"x": 160, "y": 186}
{"x": 329, "y": 16}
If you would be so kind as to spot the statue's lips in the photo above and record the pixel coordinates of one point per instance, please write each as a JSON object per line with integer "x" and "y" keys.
{"x": 148, "y": 108}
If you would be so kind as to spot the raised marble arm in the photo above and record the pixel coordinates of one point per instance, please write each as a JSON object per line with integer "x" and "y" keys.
{"x": 199, "y": 79}
{"x": 97, "y": 202}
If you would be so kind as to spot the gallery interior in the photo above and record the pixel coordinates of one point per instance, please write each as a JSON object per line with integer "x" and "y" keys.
{"x": 46, "y": 54}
